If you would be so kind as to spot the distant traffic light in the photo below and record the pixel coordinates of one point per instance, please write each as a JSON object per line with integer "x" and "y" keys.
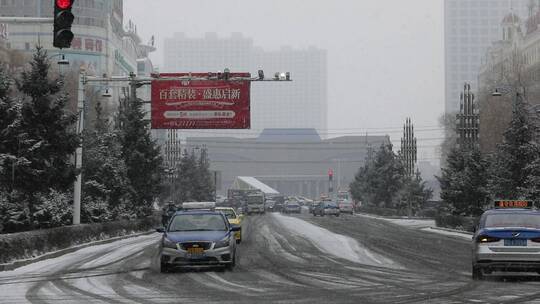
{"x": 63, "y": 18}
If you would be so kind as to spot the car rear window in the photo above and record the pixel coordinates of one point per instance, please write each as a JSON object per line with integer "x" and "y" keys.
{"x": 512, "y": 220}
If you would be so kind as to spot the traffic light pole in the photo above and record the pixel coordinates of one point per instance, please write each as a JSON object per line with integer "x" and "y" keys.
{"x": 78, "y": 151}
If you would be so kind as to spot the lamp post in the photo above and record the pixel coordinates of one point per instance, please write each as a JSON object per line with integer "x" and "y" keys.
{"x": 170, "y": 174}
{"x": 79, "y": 150}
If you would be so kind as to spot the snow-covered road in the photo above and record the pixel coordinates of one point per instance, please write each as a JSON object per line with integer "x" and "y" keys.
{"x": 286, "y": 259}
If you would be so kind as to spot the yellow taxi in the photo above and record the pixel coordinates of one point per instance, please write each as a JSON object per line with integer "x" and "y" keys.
{"x": 234, "y": 219}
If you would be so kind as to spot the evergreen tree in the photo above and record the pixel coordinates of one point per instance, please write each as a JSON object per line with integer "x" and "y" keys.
{"x": 360, "y": 188}
{"x": 464, "y": 181}
{"x": 105, "y": 182}
{"x": 379, "y": 181}
{"x": 47, "y": 138}
{"x": 414, "y": 193}
{"x": 204, "y": 190}
{"x": 510, "y": 171}
{"x": 388, "y": 176}
{"x": 187, "y": 177}
{"x": 141, "y": 156}
{"x": 9, "y": 126}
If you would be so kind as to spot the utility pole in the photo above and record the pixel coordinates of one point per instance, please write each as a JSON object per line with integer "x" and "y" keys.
{"x": 468, "y": 119}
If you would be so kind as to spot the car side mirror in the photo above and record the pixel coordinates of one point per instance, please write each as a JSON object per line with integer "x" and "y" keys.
{"x": 160, "y": 230}
{"x": 235, "y": 228}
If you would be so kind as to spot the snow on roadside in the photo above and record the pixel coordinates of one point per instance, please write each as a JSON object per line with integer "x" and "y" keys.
{"x": 334, "y": 244}
{"x": 449, "y": 233}
{"x": 413, "y": 223}
{"x": 424, "y": 225}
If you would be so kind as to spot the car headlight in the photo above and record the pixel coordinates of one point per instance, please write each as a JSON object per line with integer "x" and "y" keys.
{"x": 168, "y": 243}
{"x": 223, "y": 243}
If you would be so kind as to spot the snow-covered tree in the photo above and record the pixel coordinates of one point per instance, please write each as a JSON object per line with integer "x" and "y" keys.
{"x": 511, "y": 170}
{"x": 379, "y": 182}
{"x": 204, "y": 187}
{"x": 464, "y": 181}
{"x": 105, "y": 182}
{"x": 141, "y": 156}
{"x": 186, "y": 182}
{"x": 47, "y": 137}
{"x": 9, "y": 114}
{"x": 414, "y": 193}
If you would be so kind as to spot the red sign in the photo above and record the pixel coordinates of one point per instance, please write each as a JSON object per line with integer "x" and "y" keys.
{"x": 200, "y": 104}
{"x": 513, "y": 204}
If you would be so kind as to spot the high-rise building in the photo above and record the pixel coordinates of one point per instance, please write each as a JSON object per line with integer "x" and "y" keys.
{"x": 470, "y": 28}
{"x": 298, "y": 104}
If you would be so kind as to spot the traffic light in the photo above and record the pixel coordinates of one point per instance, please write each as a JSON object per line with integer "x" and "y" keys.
{"x": 63, "y": 18}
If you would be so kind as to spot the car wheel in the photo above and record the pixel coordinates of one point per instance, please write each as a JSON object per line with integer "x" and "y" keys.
{"x": 164, "y": 268}
{"x": 477, "y": 273}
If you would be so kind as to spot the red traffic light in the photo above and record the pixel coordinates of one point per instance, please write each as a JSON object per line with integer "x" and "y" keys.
{"x": 64, "y": 4}
{"x": 330, "y": 172}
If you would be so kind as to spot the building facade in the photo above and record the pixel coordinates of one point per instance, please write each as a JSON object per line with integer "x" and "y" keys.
{"x": 470, "y": 26}
{"x": 292, "y": 161}
{"x": 298, "y": 104}
{"x": 102, "y": 44}
{"x": 513, "y": 64}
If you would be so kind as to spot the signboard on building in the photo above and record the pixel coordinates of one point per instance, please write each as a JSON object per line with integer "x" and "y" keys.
{"x": 4, "y": 32}
{"x": 200, "y": 104}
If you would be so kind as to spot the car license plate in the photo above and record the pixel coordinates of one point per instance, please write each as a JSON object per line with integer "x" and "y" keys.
{"x": 515, "y": 242}
{"x": 195, "y": 251}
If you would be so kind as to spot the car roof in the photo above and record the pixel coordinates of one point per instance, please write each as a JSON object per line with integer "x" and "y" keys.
{"x": 512, "y": 211}
{"x": 197, "y": 211}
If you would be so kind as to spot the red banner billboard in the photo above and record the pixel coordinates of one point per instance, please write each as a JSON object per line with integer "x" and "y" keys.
{"x": 200, "y": 103}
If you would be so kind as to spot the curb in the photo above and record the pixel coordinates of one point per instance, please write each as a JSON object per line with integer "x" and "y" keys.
{"x": 55, "y": 254}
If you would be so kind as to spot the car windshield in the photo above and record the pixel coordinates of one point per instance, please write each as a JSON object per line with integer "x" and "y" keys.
{"x": 197, "y": 222}
{"x": 514, "y": 220}
{"x": 229, "y": 213}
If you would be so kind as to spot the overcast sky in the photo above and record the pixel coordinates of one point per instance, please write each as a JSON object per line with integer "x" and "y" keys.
{"x": 385, "y": 57}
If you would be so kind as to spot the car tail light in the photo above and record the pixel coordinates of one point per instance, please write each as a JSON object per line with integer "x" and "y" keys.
{"x": 486, "y": 239}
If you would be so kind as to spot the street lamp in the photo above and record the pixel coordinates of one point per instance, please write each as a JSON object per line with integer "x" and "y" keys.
{"x": 62, "y": 60}
{"x": 107, "y": 93}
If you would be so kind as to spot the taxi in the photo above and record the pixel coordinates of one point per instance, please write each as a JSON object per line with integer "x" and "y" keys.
{"x": 234, "y": 219}
{"x": 198, "y": 236}
{"x": 507, "y": 239}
